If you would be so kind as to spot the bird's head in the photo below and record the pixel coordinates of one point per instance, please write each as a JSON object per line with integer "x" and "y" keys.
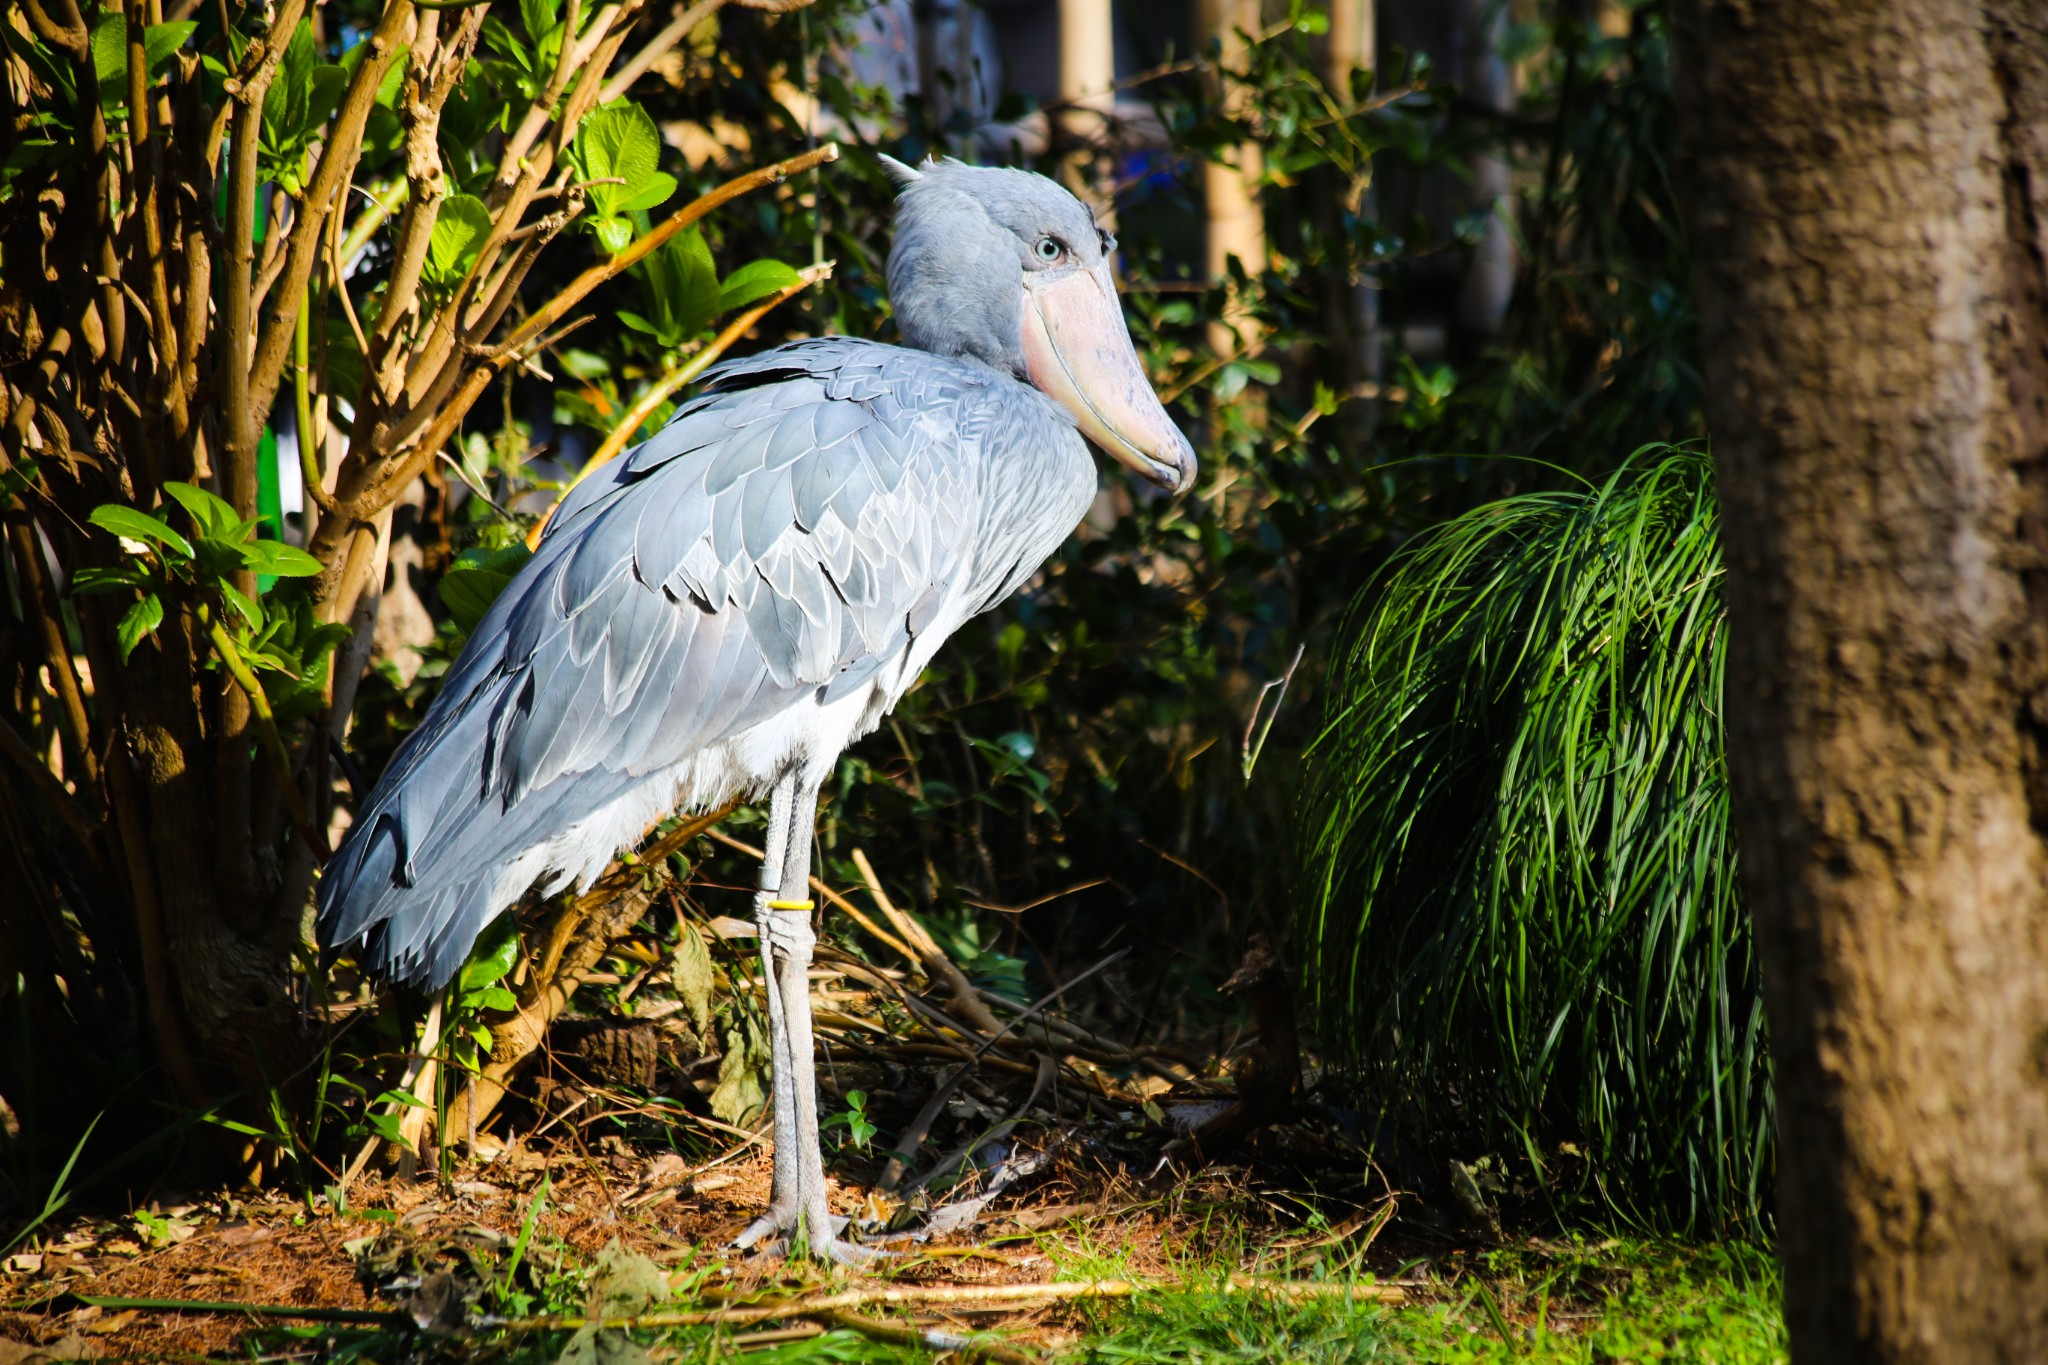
{"x": 1009, "y": 268}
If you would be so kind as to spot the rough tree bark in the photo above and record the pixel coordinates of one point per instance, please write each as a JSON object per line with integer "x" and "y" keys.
{"x": 1869, "y": 185}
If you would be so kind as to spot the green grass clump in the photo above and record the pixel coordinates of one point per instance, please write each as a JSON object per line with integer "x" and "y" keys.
{"x": 1639, "y": 1302}
{"x": 1523, "y": 922}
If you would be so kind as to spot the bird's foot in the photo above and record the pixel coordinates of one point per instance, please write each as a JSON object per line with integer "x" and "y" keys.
{"x": 775, "y": 1224}
{"x": 783, "y": 1233}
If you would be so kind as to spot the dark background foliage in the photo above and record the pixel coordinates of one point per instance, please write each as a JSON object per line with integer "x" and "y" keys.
{"x": 1078, "y": 750}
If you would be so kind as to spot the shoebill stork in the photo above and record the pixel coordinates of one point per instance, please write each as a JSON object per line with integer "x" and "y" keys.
{"x": 723, "y": 610}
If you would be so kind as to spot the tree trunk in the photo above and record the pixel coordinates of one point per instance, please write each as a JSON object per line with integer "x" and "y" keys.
{"x": 1087, "y": 87}
{"x": 1237, "y": 225}
{"x": 1489, "y": 284}
{"x": 1870, "y": 209}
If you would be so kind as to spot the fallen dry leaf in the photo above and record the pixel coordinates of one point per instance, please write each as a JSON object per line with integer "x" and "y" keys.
{"x": 72, "y": 1347}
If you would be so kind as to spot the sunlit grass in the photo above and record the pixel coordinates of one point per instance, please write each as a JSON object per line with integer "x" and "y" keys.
{"x": 1621, "y": 1302}
{"x": 1524, "y": 929}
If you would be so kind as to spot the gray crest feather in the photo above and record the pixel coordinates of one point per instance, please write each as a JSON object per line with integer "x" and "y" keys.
{"x": 899, "y": 172}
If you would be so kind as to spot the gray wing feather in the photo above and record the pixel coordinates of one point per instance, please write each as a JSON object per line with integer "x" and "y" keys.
{"x": 787, "y": 534}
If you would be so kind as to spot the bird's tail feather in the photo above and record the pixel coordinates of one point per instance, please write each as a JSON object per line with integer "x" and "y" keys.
{"x": 434, "y": 855}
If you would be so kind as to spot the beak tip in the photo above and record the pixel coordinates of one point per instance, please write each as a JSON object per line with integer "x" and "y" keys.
{"x": 1175, "y": 473}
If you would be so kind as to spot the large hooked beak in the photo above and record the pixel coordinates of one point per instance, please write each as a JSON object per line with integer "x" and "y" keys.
{"x": 1079, "y": 352}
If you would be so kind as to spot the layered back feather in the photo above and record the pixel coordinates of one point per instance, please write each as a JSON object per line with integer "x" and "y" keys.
{"x": 811, "y": 525}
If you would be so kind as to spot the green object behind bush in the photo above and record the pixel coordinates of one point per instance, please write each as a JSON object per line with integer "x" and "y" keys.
{"x": 1523, "y": 928}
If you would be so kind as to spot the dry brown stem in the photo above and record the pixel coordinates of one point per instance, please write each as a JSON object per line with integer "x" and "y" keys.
{"x": 994, "y": 1297}
{"x": 959, "y": 989}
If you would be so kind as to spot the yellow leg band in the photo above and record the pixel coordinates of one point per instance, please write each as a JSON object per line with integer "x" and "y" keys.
{"x": 792, "y": 905}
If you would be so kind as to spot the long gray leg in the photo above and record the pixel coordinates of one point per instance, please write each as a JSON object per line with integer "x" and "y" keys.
{"x": 784, "y": 1202}
{"x": 782, "y": 910}
{"x": 794, "y": 986}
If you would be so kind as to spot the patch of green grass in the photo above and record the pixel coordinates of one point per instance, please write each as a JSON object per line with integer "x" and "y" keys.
{"x": 1717, "y": 1306}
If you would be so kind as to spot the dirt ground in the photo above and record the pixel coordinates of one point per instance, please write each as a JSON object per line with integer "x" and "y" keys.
{"x": 373, "y": 1256}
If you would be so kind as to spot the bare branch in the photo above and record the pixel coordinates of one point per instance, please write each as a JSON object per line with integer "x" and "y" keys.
{"x": 70, "y": 38}
{"x": 170, "y": 393}
{"x": 448, "y": 415}
{"x": 336, "y": 169}
{"x": 49, "y": 790}
{"x": 240, "y": 417}
{"x": 430, "y": 79}
{"x": 42, "y": 603}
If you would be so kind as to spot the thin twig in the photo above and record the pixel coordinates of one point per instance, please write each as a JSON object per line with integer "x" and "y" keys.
{"x": 260, "y": 1310}
{"x": 853, "y": 912}
{"x": 1250, "y": 750}
{"x": 954, "y": 1345}
{"x": 970, "y": 1297}
{"x": 941, "y": 967}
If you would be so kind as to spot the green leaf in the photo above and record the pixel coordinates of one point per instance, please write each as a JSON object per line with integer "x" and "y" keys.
{"x": 214, "y": 518}
{"x": 618, "y": 141}
{"x": 652, "y": 194}
{"x": 684, "y": 284}
{"x": 286, "y": 102}
{"x": 126, "y": 521}
{"x": 502, "y": 40}
{"x": 329, "y": 84}
{"x": 279, "y": 559}
{"x": 459, "y": 234}
{"x": 541, "y": 17}
{"x": 1009, "y": 645}
{"x": 614, "y": 234}
{"x": 493, "y": 956}
{"x": 638, "y": 323}
{"x": 508, "y": 560}
{"x": 20, "y": 477}
{"x": 244, "y": 607}
{"x": 754, "y": 281}
{"x": 92, "y": 579}
{"x": 110, "y": 55}
{"x": 690, "y": 972}
{"x": 141, "y": 619}
{"x": 468, "y": 594}
{"x": 159, "y": 41}
{"x": 496, "y": 998}
{"x": 394, "y": 77}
